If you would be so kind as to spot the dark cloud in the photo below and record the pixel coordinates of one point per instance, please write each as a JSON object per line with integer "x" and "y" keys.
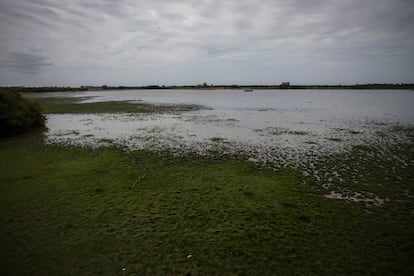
{"x": 25, "y": 62}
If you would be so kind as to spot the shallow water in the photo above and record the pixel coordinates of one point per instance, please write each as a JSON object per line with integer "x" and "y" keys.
{"x": 283, "y": 126}
{"x": 312, "y": 104}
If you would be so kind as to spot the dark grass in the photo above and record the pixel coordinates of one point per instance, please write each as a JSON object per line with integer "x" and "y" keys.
{"x": 79, "y": 211}
{"x": 74, "y": 105}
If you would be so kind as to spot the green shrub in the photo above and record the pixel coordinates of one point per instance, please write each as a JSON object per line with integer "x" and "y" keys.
{"x": 18, "y": 114}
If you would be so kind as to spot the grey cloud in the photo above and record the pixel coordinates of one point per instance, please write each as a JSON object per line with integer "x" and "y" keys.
{"x": 142, "y": 37}
{"x": 12, "y": 13}
{"x": 108, "y": 7}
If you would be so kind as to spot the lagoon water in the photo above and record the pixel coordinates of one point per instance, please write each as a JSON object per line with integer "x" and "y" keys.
{"x": 343, "y": 104}
{"x": 283, "y": 126}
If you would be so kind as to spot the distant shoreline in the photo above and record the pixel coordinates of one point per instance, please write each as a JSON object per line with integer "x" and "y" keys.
{"x": 405, "y": 86}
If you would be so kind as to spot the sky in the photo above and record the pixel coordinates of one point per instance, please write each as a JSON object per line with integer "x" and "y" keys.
{"x": 172, "y": 42}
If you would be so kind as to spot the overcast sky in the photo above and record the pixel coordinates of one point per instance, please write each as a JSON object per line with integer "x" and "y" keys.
{"x": 142, "y": 42}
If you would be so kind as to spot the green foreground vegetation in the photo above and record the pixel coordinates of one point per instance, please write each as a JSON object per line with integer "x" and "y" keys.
{"x": 83, "y": 211}
{"x": 18, "y": 114}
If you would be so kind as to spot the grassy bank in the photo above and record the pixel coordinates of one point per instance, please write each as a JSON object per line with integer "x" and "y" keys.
{"x": 80, "y": 211}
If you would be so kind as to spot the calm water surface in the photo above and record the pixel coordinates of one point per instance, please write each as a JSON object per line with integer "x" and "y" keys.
{"x": 376, "y": 104}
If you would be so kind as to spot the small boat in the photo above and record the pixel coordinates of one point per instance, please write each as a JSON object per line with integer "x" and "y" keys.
{"x": 248, "y": 90}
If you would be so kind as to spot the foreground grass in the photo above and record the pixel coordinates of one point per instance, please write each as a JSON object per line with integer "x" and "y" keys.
{"x": 79, "y": 211}
{"x": 63, "y": 105}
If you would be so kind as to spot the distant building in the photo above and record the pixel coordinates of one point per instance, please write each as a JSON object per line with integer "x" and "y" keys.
{"x": 285, "y": 85}
{"x": 91, "y": 88}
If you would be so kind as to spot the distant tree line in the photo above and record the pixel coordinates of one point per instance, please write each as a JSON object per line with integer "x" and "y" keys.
{"x": 357, "y": 86}
{"x": 284, "y": 85}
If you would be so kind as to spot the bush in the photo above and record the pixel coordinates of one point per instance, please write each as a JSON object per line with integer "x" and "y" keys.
{"x": 17, "y": 114}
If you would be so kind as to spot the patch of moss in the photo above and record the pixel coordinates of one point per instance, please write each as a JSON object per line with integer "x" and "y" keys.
{"x": 73, "y": 211}
{"x": 335, "y": 139}
{"x": 217, "y": 139}
{"x": 75, "y": 105}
